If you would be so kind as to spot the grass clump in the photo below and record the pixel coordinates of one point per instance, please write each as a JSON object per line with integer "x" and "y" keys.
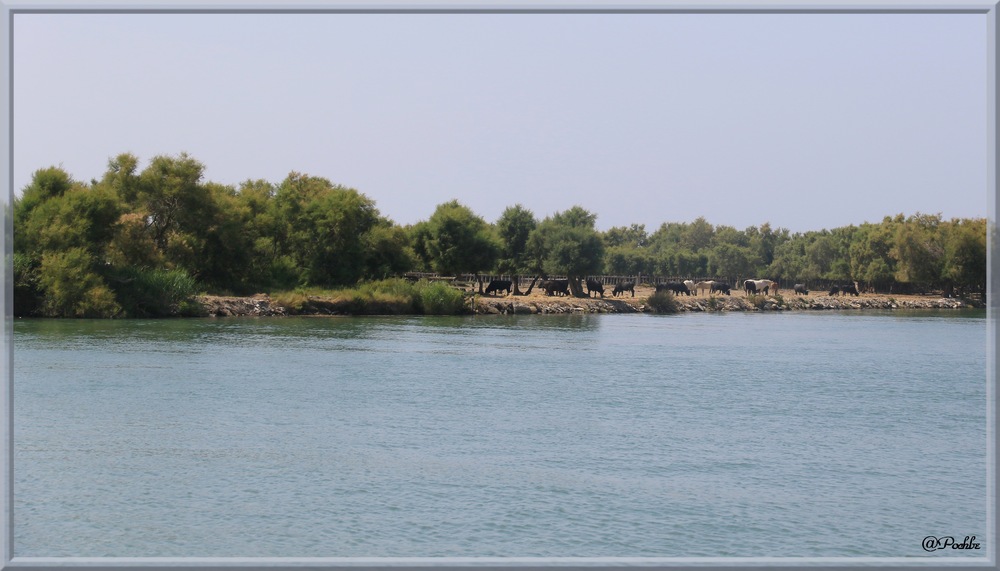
{"x": 145, "y": 292}
{"x": 292, "y": 301}
{"x": 713, "y": 303}
{"x": 437, "y": 298}
{"x": 663, "y": 302}
{"x": 394, "y": 296}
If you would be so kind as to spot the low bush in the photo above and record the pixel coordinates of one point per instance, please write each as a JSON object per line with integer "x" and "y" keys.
{"x": 438, "y": 298}
{"x": 663, "y": 302}
{"x": 392, "y": 296}
{"x": 292, "y": 301}
{"x": 154, "y": 293}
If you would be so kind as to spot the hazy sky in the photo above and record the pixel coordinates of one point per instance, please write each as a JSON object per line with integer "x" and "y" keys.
{"x": 806, "y": 121}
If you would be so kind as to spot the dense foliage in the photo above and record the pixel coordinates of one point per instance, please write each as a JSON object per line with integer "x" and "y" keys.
{"x": 142, "y": 242}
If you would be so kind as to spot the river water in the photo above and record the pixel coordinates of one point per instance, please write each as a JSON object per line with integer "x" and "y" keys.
{"x": 698, "y": 435}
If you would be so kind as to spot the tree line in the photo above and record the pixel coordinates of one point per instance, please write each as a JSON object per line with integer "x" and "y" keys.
{"x": 142, "y": 242}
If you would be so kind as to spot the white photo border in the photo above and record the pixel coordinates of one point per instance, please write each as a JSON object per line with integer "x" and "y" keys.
{"x": 9, "y": 9}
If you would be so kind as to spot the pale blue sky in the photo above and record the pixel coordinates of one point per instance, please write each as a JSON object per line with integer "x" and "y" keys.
{"x": 806, "y": 121}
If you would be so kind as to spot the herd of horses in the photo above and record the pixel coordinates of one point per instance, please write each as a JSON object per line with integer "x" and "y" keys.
{"x": 687, "y": 287}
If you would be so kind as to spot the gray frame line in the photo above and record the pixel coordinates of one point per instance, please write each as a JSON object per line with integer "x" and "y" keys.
{"x": 7, "y": 333}
{"x": 9, "y": 8}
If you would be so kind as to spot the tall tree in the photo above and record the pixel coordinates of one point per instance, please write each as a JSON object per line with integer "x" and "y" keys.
{"x": 633, "y": 236}
{"x": 919, "y": 250}
{"x": 323, "y": 227}
{"x": 870, "y": 254}
{"x": 567, "y": 243}
{"x": 698, "y": 235}
{"x": 513, "y": 229}
{"x": 965, "y": 255}
{"x": 456, "y": 240}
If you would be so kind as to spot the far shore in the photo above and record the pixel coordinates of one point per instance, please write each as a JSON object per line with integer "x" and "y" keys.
{"x": 538, "y": 302}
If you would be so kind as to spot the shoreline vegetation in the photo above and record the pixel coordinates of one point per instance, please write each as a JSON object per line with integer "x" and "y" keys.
{"x": 162, "y": 242}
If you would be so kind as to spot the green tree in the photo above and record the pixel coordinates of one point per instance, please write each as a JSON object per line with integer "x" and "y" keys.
{"x": 765, "y": 242}
{"x": 732, "y": 260}
{"x": 323, "y": 228}
{"x": 169, "y": 194}
{"x": 456, "y": 240}
{"x": 870, "y": 254}
{"x": 628, "y": 261}
{"x": 225, "y": 253}
{"x": 270, "y": 265}
{"x": 121, "y": 177}
{"x": 80, "y": 217}
{"x": 45, "y": 184}
{"x": 387, "y": 251}
{"x": 513, "y": 229}
{"x": 627, "y": 250}
{"x": 790, "y": 261}
{"x": 826, "y": 256}
{"x": 61, "y": 241}
{"x": 698, "y": 235}
{"x": 919, "y": 250}
{"x": 72, "y": 287}
{"x": 965, "y": 258}
{"x": 633, "y": 236}
{"x": 567, "y": 243}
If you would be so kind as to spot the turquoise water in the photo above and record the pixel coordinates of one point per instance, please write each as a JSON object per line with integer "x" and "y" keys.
{"x": 802, "y": 434}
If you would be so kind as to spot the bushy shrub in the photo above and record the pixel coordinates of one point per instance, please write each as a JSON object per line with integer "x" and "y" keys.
{"x": 438, "y": 298}
{"x": 382, "y": 297}
{"x": 71, "y": 288}
{"x": 153, "y": 293}
{"x": 395, "y": 287}
{"x": 663, "y": 302}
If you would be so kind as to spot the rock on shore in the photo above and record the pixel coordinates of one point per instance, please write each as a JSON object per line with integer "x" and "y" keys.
{"x": 256, "y": 306}
{"x": 514, "y": 305}
{"x": 261, "y": 305}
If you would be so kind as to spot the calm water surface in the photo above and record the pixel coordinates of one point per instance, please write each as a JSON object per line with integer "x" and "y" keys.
{"x": 802, "y": 434}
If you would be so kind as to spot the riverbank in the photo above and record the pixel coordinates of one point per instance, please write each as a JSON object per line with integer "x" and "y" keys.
{"x": 261, "y": 305}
